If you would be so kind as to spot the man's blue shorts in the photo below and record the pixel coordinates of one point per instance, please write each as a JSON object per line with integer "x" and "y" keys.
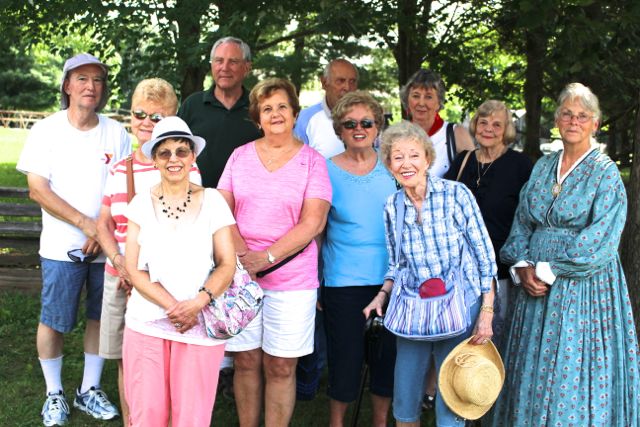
{"x": 62, "y": 284}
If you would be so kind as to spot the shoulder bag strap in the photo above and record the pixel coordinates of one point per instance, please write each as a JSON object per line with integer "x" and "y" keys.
{"x": 281, "y": 263}
{"x": 451, "y": 143}
{"x": 131, "y": 187}
{"x": 399, "y": 202}
{"x": 464, "y": 163}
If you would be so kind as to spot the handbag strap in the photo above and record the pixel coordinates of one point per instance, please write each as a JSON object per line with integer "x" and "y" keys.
{"x": 464, "y": 163}
{"x": 281, "y": 263}
{"x": 131, "y": 190}
{"x": 399, "y": 202}
{"x": 451, "y": 143}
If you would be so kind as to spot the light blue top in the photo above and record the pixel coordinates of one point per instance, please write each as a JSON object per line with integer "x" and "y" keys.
{"x": 354, "y": 250}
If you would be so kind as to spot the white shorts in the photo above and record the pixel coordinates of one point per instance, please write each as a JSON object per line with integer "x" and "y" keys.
{"x": 284, "y": 327}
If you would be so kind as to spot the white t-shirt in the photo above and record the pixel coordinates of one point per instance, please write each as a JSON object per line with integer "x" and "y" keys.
{"x": 314, "y": 127}
{"x": 76, "y": 163}
{"x": 180, "y": 259}
{"x": 115, "y": 196}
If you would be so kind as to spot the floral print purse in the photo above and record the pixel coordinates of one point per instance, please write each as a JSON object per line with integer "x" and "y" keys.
{"x": 230, "y": 313}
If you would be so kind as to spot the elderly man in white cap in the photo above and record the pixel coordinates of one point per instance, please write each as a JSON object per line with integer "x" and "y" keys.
{"x": 66, "y": 159}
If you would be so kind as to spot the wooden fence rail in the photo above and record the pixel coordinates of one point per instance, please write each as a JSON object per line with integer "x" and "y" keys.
{"x": 26, "y": 119}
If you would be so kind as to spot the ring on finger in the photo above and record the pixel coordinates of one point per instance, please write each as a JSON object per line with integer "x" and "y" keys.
{"x": 177, "y": 325}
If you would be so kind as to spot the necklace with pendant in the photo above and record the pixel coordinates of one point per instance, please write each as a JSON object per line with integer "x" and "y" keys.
{"x": 556, "y": 189}
{"x": 483, "y": 171}
{"x": 176, "y": 211}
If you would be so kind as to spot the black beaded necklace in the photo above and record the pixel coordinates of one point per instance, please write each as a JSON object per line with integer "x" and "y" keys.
{"x": 177, "y": 210}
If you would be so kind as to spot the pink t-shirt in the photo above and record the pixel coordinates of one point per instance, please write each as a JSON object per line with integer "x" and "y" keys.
{"x": 268, "y": 205}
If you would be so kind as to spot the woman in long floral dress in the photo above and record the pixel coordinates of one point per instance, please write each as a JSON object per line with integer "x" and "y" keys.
{"x": 572, "y": 353}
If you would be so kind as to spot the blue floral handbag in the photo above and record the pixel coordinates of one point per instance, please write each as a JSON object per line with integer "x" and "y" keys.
{"x": 230, "y": 313}
{"x": 428, "y": 319}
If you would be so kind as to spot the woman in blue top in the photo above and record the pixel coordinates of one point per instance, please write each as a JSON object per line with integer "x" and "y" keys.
{"x": 439, "y": 215}
{"x": 355, "y": 258}
{"x": 572, "y": 352}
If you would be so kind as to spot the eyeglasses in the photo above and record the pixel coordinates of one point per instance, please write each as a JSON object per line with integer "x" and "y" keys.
{"x": 141, "y": 115}
{"x": 76, "y": 255}
{"x": 352, "y": 124}
{"x": 181, "y": 152}
{"x": 566, "y": 116}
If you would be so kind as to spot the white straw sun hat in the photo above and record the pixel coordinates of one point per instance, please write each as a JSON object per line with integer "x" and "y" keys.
{"x": 172, "y": 127}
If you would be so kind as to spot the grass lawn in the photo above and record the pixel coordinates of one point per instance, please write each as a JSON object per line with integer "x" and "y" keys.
{"x": 11, "y": 143}
{"x": 22, "y": 384}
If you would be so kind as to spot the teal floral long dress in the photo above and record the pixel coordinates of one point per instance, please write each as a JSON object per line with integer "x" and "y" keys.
{"x": 572, "y": 355}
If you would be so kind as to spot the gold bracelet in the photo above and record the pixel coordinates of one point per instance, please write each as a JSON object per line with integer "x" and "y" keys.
{"x": 113, "y": 257}
{"x": 487, "y": 308}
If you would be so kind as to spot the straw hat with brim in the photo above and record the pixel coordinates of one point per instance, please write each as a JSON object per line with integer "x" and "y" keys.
{"x": 471, "y": 378}
{"x": 172, "y": 127}
{"x": 78, "y": 61}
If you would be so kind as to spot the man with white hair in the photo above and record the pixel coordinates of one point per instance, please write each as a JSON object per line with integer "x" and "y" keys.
{"x": 221, "y": 114}
{"x": 66, "y": 159}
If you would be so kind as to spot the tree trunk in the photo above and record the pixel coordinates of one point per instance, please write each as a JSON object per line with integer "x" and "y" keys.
{"x": 188, "y": 49}
{"x": 533, "y": 89}
{"x": 631, "y": 235}
{"x": 298, "y": 53}
{"x": 612, "y": 149}
{"x": 413, "y": 28}
{"x": 193, "y": 80}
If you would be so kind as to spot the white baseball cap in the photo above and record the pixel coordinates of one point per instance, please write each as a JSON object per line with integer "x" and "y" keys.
{"x": 78, "y": 61}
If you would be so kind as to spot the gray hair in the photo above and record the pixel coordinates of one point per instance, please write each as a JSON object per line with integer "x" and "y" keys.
{"x": 246, "y": 50}
{"x": 403, "y": 131}
{"x": 581, "y": 93}
{"x": 490, "y": 107}
{"x": 426, "y": 79}
{"x": 326, "y": 72}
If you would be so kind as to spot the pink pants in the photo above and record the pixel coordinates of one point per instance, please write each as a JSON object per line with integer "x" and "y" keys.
{"x": 164, "y": 378}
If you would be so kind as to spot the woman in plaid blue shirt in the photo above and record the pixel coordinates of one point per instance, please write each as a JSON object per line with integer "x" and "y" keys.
{"x": 439, "y": 216}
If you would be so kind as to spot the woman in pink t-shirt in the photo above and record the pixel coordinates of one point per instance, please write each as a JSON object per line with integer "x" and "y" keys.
{"x": 280, "y": 194}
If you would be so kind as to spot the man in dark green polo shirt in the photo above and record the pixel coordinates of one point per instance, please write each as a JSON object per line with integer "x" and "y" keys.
{"x": 220, "y": 114}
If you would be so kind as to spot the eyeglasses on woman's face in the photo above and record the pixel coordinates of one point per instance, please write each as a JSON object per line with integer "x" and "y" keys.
{"x": 181, "y": 152}
{"x": 352, "y": 124}
{"x": 567, "y": 115}
{"x": 141, "y": 115}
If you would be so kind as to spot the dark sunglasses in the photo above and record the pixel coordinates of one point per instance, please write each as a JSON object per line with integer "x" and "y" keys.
{"x": 181, "y": 152}
{"x": 76, "y": 255}
{"x": 141, "y": 115}
{"x": 352, "y": 124}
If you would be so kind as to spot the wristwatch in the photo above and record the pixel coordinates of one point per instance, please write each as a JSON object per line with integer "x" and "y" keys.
{"x": 270, "y": 257}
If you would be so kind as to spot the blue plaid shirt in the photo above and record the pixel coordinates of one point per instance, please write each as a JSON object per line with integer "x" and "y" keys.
{"x": 449, "y": 216}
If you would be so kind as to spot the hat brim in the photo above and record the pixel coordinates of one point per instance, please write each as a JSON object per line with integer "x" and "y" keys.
{"x": 461, "y": 408}
{"x": 198, "y": 142}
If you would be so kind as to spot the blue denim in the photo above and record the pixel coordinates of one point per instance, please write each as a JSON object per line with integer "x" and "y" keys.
{"x": 62, "y": 284}
{"x": 413, "y": 360}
